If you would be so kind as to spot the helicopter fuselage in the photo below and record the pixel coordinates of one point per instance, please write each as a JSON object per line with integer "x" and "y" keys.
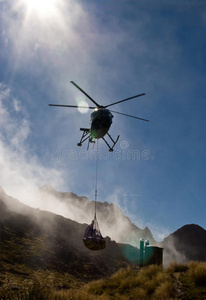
{"x": 100, "y": 122}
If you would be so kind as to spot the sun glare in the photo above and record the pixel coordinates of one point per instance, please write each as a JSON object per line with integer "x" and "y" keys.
{"x": 83, "y": 110}
{"x": 41, "y": 7}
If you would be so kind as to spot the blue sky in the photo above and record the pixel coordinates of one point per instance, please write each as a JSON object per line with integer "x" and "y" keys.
{"x": 113, "y": 50}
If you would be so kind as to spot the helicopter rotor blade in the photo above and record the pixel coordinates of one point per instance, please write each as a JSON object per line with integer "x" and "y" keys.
{"x": 85, "y": 93}
{"x": 75, "y": 106}
{"x": 129, "y": 116}
{"x": 124, "y": 100}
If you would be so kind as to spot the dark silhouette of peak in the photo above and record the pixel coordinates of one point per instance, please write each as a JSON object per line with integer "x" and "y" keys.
{"x": 191, "y": 232}
{"x": 189, "y": 243}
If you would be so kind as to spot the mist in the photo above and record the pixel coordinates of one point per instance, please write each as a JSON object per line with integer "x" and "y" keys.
{"x": 170, "y": 254}
{"x": 21, "y": 170}
{"x": 22, "y": 174}
{"x": 26, "y": 178}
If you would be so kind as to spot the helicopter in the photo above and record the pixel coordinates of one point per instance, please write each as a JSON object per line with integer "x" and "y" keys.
{"x": 100, "y": 120}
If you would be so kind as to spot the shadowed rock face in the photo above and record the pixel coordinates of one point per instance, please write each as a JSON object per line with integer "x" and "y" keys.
{"x": 40, "y": 239}
{"x": 185, "y": 244}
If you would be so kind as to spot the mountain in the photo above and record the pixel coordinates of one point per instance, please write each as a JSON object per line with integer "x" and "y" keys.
{"x": 112, "y": 221}
{"x": 40, "y": 239}
{"x": 185, "y": 244}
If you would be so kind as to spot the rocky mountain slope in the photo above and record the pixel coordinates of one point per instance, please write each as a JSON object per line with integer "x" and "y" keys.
{"x": 112, "y": 221}
{"x": 40, "y": 239}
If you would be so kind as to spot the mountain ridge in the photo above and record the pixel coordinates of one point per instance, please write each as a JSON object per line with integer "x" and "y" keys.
{"x": 110, "y": 217}
{"x": 44, "y": 239}
{"x": 41, "y": 239}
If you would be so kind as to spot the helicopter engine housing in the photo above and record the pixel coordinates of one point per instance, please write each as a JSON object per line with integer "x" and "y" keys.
{"x": 100, "y": 122}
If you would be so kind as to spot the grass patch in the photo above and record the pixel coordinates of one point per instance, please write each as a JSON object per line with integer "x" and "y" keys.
{"x": 175, "y": 267}
{"x": 151, "y": 282}
{"x": 194, "y": 281}
{"x": 134, "y": 284}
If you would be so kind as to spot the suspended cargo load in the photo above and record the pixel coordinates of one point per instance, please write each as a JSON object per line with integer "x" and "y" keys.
{"x": 93, "y": 239}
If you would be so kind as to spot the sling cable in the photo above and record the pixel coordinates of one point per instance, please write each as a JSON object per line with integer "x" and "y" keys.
{"x": 93, "y": 239}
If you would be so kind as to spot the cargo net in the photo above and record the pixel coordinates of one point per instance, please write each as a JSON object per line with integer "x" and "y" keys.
{"x": 93, "y": 239}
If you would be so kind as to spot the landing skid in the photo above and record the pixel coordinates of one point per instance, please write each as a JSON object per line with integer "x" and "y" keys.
{"x": 86, "y": 136}
{"x": 114, "y": 142}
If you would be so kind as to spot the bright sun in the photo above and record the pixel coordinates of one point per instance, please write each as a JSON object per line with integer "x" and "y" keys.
{"x": 41, "y": 6}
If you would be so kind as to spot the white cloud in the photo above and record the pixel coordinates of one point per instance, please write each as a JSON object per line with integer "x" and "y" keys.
{"x": 21, "y": 172}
